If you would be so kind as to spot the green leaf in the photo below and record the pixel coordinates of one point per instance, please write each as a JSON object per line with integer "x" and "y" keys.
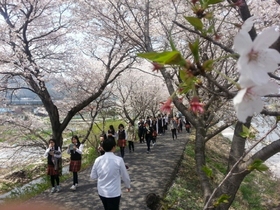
{"x": 222, "y": 199}
{"x": 206, "y": 3}
{"x": 208, "y": 65}
{"x": 207, "y": 171}
{"x": 252, "y": 135}
{"x": 245, "y": 132}
{"x": 188, "y": 81}
{"x": 194, "y": 47}
{"x": 195, "y": 22}
{"x": 257, "y": 165}
{"x": 278, "y": 118}
{"x": 214, "y": 1}
{"x": 165, "y": 58}
{"x": 172, "y": 45}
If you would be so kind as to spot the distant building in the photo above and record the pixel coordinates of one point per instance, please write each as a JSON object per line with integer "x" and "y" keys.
{"x": 25, "y": 101}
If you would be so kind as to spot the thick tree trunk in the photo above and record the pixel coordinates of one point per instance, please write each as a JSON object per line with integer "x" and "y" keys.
{"x": 200, "y": 161}
{"x": 235, "y": 178}
{"x": 230, "y": 188}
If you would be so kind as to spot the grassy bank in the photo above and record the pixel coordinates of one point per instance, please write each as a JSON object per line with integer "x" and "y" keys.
{"x": 257, "y": 192}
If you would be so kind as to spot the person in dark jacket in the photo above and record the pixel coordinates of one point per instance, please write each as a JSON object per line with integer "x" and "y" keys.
{"x": 141, "y": 131}
{"x": 122, "y": 139}
{"x": 102, "y": 137}
{"x": 75, "y": 150}
{"x": 149, "y": 135}
{"x": 111, "y": 132}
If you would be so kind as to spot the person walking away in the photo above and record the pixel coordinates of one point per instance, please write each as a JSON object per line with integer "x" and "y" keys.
{"x": 164, "y": 125}
{"x": 75, "y": 150}
{"x": 121, "y": 139}
{"x": 155, "y": 129}
{"x": 148, "y": 120}
{"x": 166, "y": 122}
{"x": 149, "y": 136}
{"x": 109, "y": 170}
{"x": 160, "y": 125}
{"x": 180, "y": 124}
{"x": 131, "y": 136}
{"x": 53, "y": 154}
{"x": 188, "y": 126}
{"x": 141, "y": 131}
{"x": 174, "y": 127}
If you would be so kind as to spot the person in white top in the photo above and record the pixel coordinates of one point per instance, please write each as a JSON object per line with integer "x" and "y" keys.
{"x": 109, "y": 170}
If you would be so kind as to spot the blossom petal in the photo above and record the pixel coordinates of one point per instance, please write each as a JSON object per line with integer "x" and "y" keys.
{"x": 274, "y": 54}
{"x": 245, "y": 82}
{"x": 242, "y": 39}
{"x": 258, "y": 76}
{"x": 266, "y": 38}
{"x": 248, "y": 24}
{"x": 239, "y": 96}
{"x": 255, "y": 71}
{"x": 268, "y": 88}
{"x": 247, "y": 107}
{"x": 270, "y": 59}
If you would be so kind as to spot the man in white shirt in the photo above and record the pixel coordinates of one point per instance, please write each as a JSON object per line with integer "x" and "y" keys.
{"x": 109, "y": 170}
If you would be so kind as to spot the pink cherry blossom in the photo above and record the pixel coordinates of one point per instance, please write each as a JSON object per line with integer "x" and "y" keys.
{"x": 166, "y": 106}
{"x": 196, "y": 105}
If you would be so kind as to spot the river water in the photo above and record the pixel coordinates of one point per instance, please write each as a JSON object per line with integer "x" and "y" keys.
{"x": 14, "y": 157}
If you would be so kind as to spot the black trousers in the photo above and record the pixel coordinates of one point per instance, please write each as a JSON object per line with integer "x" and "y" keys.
{"x": 148, "y": 142}
{"x": 174, "y": 133}
{"x": 131, "y": 145}
{"x": 54, "y": 178}
{"x": 122, "y": 151}
{"x": 111, "y": 203}
{"x": 75, "y": 178}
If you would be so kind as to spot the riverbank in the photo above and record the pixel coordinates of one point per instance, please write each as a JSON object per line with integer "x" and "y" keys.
{"x": 273, "y": 163}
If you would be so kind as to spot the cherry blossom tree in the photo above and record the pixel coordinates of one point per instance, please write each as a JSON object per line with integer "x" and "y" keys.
{"x": 41, "y": 44}
{"x": 146, "y": 27}
{"x": 139, "y": 96}
{"x": 202, "y": 69}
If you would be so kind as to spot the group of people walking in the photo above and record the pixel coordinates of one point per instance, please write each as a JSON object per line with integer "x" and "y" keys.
{"x": 109, "y": 168}
{"x": 122, "y": 136}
